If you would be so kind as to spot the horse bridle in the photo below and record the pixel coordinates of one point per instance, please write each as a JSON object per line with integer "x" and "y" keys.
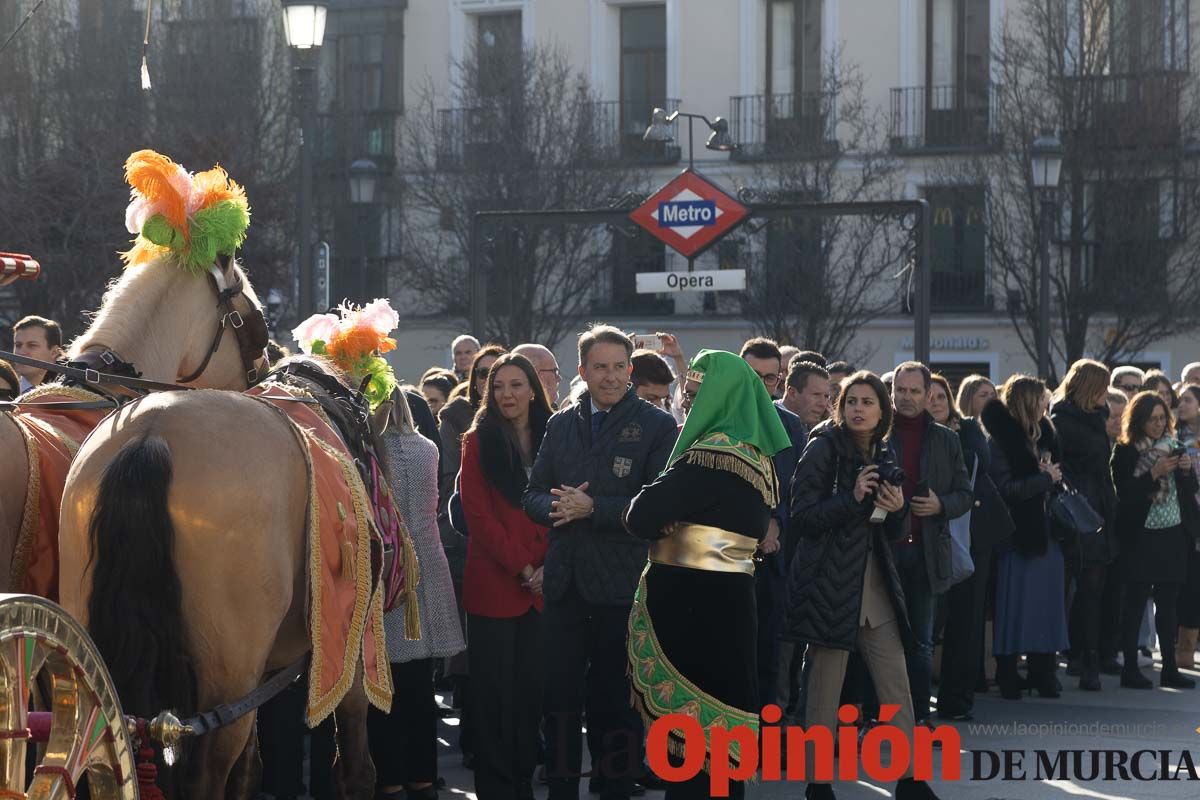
{"x": 249, "y": 327}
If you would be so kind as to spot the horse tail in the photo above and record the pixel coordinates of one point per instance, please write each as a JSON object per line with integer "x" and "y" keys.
{"x": 135, "y": 612}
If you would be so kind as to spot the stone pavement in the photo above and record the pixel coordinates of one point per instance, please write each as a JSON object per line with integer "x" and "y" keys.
{"x": 1115, "y": 719}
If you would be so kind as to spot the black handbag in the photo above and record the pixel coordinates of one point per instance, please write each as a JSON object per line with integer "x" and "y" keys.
{"x": 1071, "y": 515}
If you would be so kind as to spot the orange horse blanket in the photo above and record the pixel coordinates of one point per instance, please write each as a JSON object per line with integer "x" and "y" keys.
{"x": 52, "y": 437}
{"x": 345, "y": 608}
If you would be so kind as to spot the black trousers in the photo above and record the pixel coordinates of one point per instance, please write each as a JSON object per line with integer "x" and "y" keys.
{"x": 962, "y": 637}
{"x": 1165, "y": 597}
{"x": 404, "y": 741}
{"x": 506, "y": 659}
{"x": 589, "y": 668}
{"x": 1110, "y": 612}
{"x": 1087, "y": 610}
{"x": 770, "y": 592}
{"x": 283, "y": 738}
{"x": 1189, "y": 593}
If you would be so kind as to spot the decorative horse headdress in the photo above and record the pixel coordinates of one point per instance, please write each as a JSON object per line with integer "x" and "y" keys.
{"x": 189, "y": 217}
{"x": 355, "y": 339}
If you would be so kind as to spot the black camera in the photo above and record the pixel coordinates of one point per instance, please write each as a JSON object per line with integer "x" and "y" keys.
{"x": 888, "y": 471}
{"x": 891, "y": 472}
{"x": 1179, "y": 450}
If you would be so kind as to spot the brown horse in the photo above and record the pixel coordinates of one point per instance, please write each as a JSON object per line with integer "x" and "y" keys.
{"x": 183, "y": 545}
{"x": 162, "y": 320}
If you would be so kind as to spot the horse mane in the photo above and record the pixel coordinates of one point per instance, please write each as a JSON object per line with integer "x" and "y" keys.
{"x": 123, "y": 311}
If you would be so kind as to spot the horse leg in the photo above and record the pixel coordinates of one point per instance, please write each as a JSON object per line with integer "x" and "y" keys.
{"x": 247, "y": 771}
{"x": 14, "y": 481}
{"x": 354, "y": 772}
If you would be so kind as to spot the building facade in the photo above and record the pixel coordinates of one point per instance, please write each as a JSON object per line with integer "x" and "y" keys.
{"x": 929, "y": 71}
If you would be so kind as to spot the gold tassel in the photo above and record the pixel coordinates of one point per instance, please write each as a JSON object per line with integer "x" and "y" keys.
{"x": 412, "y": 577}
{"x": 348, "y": 571}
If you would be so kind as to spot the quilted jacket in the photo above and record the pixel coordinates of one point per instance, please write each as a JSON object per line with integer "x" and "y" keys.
{"x": 835, "y": 538}
{"x": 597, "y": 554}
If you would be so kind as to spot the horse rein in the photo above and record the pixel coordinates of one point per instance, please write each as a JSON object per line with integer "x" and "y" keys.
{"x": 96, "y": 367}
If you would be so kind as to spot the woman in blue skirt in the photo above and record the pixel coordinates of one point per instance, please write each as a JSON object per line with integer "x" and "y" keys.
{"x": 1030, "y": 608}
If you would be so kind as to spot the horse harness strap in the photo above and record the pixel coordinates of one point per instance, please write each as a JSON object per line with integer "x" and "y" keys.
{"x": 250, "y": 329}
{"x": 85, "y": 373}
{"x": 227, "y": 713}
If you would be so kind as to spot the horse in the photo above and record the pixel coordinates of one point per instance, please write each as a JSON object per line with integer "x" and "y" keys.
{"x": 184, "y": 554}
{"x": 163, "y": 322}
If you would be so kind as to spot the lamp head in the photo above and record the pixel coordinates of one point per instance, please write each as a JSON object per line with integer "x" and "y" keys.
{"x": 720, "y": 139}
{"x": 659, "y": 129}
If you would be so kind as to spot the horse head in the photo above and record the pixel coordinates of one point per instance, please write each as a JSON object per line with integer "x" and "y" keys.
{"x": 174, "y": 326}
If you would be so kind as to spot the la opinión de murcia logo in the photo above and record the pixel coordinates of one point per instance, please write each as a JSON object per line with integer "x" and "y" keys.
{"x": 761, "y": 756}
{"x": 766, "y": 755}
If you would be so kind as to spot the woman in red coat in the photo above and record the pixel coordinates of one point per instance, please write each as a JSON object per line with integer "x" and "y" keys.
{"x": 502, "y": 585}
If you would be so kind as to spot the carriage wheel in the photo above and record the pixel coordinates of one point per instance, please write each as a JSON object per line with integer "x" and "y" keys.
{"x": 87, "y": 732}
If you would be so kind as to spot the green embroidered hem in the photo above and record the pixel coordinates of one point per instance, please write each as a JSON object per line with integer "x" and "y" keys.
{"x": 660, "y": 689}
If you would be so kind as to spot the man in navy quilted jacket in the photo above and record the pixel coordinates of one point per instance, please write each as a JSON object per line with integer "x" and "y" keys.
{"x": 597, "y": 454}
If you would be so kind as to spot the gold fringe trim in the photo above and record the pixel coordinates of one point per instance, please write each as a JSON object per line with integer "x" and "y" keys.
{"x": 766, "y": 484}
{"x": 29, "y": 514}
{"x": 52, "y": 390}
{"x": 412, "y": 578}
{"x": 362, "y": 596}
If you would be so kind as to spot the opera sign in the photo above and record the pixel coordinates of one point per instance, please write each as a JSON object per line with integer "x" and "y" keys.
{"x": 689, "y": 214}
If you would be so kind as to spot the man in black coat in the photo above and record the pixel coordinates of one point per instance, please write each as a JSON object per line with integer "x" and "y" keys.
{"x": 938, "y": 489}
{"x": 597, "y": 454}
{"x": 770, "y": 578}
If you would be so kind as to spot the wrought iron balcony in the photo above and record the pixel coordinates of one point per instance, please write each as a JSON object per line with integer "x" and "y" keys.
{"x": 770, "y": 126}
{"x": 943, "y": 118}
{"x": 615, "y": 128}
{"x": 960, "y": 291}
{"x": 343, "y": 138}
{"x": 1127, "y": 111}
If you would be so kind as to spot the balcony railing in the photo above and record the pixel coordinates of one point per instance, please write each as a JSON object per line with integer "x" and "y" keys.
{"x": 469, "y": 137}
{"x": 1124, "y": 111}
{"x": 343, "y": 138}
{"x": 943, "y": 118}
{"x": 769, "y": 126}
{"x": 960, "y": 291}
{"x": 608, "y": 131}
{"x": 616, "y": 128}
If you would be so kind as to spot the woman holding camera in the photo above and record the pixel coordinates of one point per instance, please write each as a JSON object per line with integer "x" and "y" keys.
{"x": 1156, "y": 493}
{"x": 843, "y": 588}
{"x": 1030, "y": 597}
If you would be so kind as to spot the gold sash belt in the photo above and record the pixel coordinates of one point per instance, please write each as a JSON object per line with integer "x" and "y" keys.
{"x": 704, "y": 547}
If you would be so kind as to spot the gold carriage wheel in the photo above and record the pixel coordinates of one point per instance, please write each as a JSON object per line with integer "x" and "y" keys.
{"x": 87, "y": 734}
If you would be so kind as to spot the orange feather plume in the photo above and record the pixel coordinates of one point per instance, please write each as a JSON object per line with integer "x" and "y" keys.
{"x": 214, "y": 186}
{"x": 150, "y": 173}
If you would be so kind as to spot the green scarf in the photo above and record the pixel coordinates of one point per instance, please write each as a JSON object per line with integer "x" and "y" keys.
{"x": 732, "y": 420}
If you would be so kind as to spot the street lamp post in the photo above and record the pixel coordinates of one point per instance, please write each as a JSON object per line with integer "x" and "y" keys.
{"x": 304, "y": 26}
{"x": 1046, "y": 157}
{"x": 363, "y": 174}
{"x": 659, "y": 130}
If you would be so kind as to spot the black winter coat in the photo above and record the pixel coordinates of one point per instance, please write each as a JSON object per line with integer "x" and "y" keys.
{"x": 836, "y": 537}
{"x": 1083, "y": 438}
{"x": 991, "y": 524}
{"x": 597, "y": 554}
{"x": 1017, "y": 473}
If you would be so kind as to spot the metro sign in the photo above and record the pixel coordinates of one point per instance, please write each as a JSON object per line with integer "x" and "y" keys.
{"x": 690, "y": 214}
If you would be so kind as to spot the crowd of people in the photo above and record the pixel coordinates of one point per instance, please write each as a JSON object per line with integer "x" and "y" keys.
{"x": 889, "y": 540}
{"x": 887, "y": 486}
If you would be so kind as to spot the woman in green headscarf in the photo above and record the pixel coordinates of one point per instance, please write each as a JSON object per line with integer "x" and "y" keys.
{"x": 693, "y": 628}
